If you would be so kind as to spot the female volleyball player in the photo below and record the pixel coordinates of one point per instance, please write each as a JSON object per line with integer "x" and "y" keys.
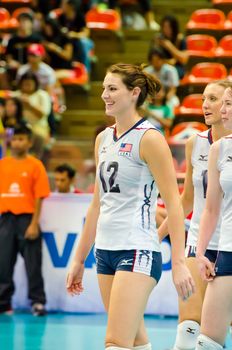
{"x": 217, "y": 307}
{"x": 193, "y": 198}
{"x": 133, "y": 160}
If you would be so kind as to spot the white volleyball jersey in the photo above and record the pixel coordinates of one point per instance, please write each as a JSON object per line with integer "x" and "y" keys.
{"x": 128, "y": 193}
{"x": 225, "y": 168}
{"x": 199, "y": 162}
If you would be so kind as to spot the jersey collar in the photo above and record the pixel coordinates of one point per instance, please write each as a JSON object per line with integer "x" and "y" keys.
{"x": 133, "y": 127}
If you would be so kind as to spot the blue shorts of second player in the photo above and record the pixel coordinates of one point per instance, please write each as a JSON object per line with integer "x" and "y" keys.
{"x": 142, "y": 261}
{"x": 190, "y": 252}
{"x": 223, "y": 266}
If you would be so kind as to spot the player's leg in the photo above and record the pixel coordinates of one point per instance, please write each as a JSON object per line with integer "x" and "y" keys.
{"x": 216, "y": 313}
{"x": 128, "y": 300}
{"x": 127, "y": 304}
{"x": 190, "y": 311}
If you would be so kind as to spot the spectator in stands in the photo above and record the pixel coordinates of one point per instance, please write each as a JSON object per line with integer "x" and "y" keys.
{"x": 146, "y": 7}
{"x": 73, "y": 25}
{"x": 158, "y": 112}
{"x": 24, "y": 184}
{"x": 41, "y": 9}
{"x": 58, "y": 46}
{"x": 47, "y": 79}
{"x": 174, "y": 43}
{"x": 64, "y": 179}
{"x": 16, "y": 51}
{"x": 13, "y": 113}
{"x": 166, "y": 73}
{"x": 36, "y": 108}
{"x": 44, "y": 73}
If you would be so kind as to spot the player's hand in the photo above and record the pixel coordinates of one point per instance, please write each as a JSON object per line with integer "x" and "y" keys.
{"x": 74, "y": 278}
{"x": 206, "y": 268}
{"x": 183, "y": 281}
{"x": 32, "y": 232}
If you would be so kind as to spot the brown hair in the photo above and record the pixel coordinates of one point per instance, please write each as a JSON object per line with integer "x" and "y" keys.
{"x": 135, "y": 76}
{"x": 226, "y": 83}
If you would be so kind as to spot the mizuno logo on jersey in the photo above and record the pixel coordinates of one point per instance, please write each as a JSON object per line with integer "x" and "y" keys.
{"x": 103, "y": 150}
{"x": 203, "y": 158}
{"x": 229, "y": 159}
{"x": 125, "y": 149}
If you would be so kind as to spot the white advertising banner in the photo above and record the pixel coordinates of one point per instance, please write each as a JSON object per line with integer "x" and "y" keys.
{"x": 62, "y": 219}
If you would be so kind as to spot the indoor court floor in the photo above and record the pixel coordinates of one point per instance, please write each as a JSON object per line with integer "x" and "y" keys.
{"x": 62, "y": 331}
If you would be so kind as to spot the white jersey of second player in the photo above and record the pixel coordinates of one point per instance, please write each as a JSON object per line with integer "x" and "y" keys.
{"x": 128, "y": 193}
{"x": 199, "y": 161}
{"x": 225, "y": 168}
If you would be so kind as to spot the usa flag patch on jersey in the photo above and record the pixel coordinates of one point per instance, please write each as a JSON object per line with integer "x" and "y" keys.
{"x": 125, "y": 149}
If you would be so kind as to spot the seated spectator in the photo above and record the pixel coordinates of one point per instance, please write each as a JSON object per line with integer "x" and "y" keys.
{"x": 158, "y": 112}
{"x": 73, "y": 25}
{"x": 58, "y": 46}
{"x": 13, "y": 113}
{"x": 47, "y": 80}
{"x": 174, "y": 43}
{"x": 41, "y": 9}
{"x": 165, "y": 72}
{"x": 146, "y": 7}
{"x": 36, "y": 108}
{"x": 44, "y": 73}
{"x": 64, "y": 179}
{"x": 16, "y": 51}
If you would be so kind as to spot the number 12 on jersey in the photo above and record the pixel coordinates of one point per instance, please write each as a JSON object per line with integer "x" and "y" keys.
{"x": 113, "y": 169}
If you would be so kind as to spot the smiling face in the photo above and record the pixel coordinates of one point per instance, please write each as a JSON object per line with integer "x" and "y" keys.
{"x": 226, "y": 109}
{"x": 118, "y": 99}
{"x": 212, "y": 101}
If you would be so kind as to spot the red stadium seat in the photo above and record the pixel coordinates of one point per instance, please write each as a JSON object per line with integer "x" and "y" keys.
{"x": 221, "y": 2}
{"x": 210, "y": 19}
{"x": 182, "y": 126}
{"x": 20, "y": 10}
{"x": 224, "y": 48}
{"x": 18, "y": 1}
{"x": 78, "y": 76}
{"x": 201, "y": 45}
{"x": 228, "y": 22}
{"x": 191, "y": 105}
{"x": 103, "y": 19}
{"x": 6, "y": 22}
{"x": 203, "y": 73}
{"x": 4, "y": 18}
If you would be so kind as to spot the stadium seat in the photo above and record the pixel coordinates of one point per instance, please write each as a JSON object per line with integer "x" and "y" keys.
{"x": 78, "y": 75}
{"x": 20, "y": 10}
{"x": 191, "y": 105}
{"x": 103, "y": 19}
{"x": 224, "y": 48}
{"x": 209, "y": 19}
{"x": 183, "y": 126}
{"x": 17, "y": 1}
{"x": 4, "y": 18}
{"x": 201, "y": 45}
{"x": 219, "y": 2}
{"x": 228, "y": 22}
{"x": 205, "y": 72}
